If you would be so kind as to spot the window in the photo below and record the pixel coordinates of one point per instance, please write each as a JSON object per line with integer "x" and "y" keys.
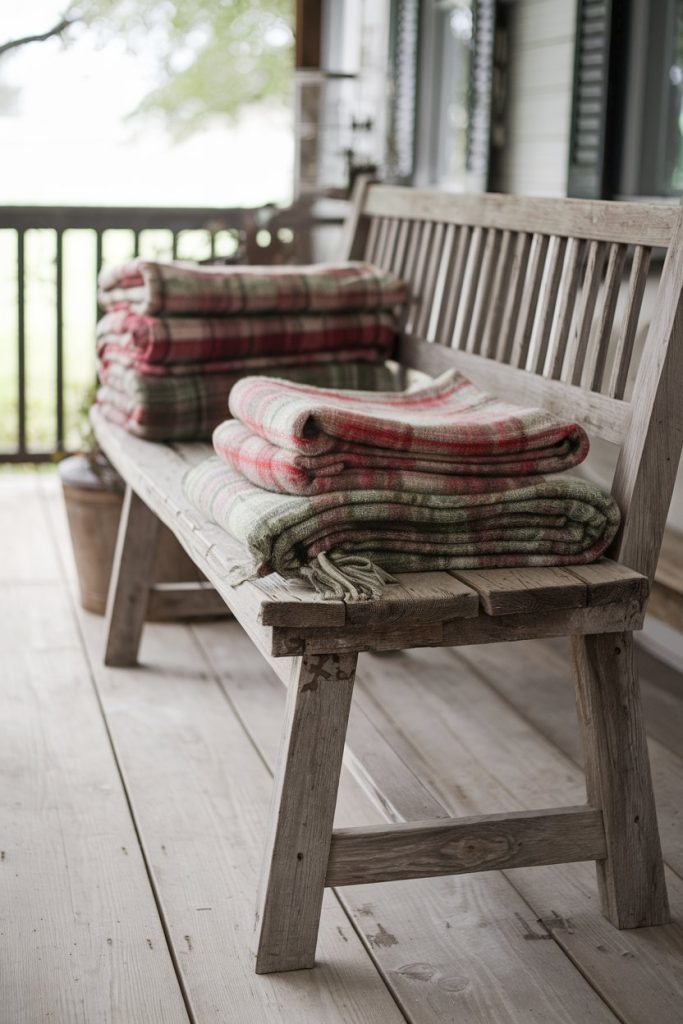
{"x": 627, "y": 114}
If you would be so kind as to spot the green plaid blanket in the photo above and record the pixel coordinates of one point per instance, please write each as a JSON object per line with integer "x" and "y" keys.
{"x": 156, "y": 288}
{"x": 188, "y": 408}
{"x": 553, "y": 522}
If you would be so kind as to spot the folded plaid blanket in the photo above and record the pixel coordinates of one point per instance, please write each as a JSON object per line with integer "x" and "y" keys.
{"x": 446, "y": 419}
{"x": 553, "y": 522}
{"x": 153, "y": 288}
{"x": 190, "y": 407}
{"x": 172, "y": 344}
{"x": 288, "y": 472}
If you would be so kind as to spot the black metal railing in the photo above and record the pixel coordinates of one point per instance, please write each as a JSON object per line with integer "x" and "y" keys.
{"x": 36, "y": 430}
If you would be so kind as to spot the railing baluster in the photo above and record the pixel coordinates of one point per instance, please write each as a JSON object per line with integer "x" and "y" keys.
{"x": 59, "y": 337}
{"x": 21, "y": 344}
{"x": 174, "y": 245}
{"x": 99, "y": 247}
{"x": 136, "y": 243}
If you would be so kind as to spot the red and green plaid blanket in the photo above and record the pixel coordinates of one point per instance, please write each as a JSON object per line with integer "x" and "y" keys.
{"x": 156, "y": 288}
{"x": 289, "y": 472}
{"x": 551, "y": 522}
{"x": 189, "y": 407}
{"x": 160, "y": 345}
{"x": 446, "y": 419}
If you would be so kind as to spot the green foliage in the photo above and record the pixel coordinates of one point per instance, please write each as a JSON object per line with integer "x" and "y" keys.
{"x": 212, "y": 57}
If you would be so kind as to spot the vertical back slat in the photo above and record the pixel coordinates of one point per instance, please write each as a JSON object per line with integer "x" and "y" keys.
{"x": 382, "y": 237}
{"x": 529, "y": 305}
{"x": 371, "y": 242}
{"x": 390, "y": 244}
{"x": 501, "y": 280}
{"x": 455, "y": 274}
{"x": 597, "y": 356}
{"x": 59, "y": 340}
{"x": 415, "y": 233}
{"x": 569, "y": 287}
{"x": 513, "y": 301}
{"x": 399, "y": 258}
{"x": 627, "y": 334}
{"x": 420, "y": 273}
{"x": 136, "y": 243}
{"x": 442, "y": 282}
{"x": 410, "y": 270}
{"x": 475, "y": 256}
{"x": 428, "y": 286}
{"x": 485, "y": 286}
{"x": 578, "y": 341}
{"x": 548, "y": 299}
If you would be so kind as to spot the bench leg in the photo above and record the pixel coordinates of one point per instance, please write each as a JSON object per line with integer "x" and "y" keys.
{"x": 631, "y": 879}
{"x": 136, "y": 546}
{"x": 302, "y": 813}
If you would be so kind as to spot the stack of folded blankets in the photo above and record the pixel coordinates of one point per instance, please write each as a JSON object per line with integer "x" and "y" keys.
{"x": 345, "y": 488}
{"x": 175, "y": 337}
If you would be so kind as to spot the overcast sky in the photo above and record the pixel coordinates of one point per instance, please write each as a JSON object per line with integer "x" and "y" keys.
{"x": 67, "y": 141}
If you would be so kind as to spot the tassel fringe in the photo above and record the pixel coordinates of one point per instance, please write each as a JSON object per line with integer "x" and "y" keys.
{"x": 346, "y": 577}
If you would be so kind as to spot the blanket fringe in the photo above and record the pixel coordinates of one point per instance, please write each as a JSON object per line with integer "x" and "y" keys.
{"x": 349, "y": 578}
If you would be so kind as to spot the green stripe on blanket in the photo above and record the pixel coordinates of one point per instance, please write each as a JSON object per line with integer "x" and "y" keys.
{"x": 188, "y": 408}
{"x": 554, "y": 522}
{"x": 154, "y": 287}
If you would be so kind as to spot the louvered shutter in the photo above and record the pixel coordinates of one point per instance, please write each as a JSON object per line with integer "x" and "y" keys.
{"x": 598, "y": 98}
{"x": 403, "y": 57}
{"x": 481, "y": 83}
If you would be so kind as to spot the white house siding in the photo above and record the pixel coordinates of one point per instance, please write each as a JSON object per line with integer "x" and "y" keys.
{"x": 541, "y": 68}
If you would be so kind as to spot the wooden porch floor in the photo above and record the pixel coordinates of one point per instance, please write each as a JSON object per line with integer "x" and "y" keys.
{"x": 133, "y": 804}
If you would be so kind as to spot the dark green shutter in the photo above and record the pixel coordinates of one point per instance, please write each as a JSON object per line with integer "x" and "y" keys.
{"x": 598, "y": 98}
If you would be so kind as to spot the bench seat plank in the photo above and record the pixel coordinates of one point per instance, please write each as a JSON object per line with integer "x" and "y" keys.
{"x": 526, "y": 590}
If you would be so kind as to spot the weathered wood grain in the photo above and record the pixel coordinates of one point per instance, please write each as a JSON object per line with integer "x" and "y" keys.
{"x": 605, "y": 417}
{"x": 631, "y": 877}
{"x": 81, "y": 936}
{"x": 522, "y": 591}
{"x": 479, "y": 753}
{"x": 131, "y": 578}
{"x": 648, "y": 462}
{"x": 633, "y": 223}
{"x": 185, "y": 601}
{"x": 417, "y": 931}
{"x": 456, "y": 846}
{"x": 305, "y": 795}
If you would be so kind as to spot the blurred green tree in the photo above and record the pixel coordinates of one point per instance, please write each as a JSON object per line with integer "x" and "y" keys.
{"x": 212, "y": 57}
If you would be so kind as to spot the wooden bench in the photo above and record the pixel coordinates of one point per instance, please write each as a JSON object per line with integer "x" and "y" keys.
{"x": 521, "y": 295}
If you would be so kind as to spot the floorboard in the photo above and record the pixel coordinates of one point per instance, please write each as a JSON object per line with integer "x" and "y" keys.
{"x": 450, "y": 948}
{"x": 80, "y": 933}
{"x": 479, "y": 754}
{"x": 476, "y": 725}
{"x": 200, "y": 795}
{"x": 542, "y": 691}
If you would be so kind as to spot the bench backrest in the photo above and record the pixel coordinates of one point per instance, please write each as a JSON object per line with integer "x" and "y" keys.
{"x": 540, "y": 300}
